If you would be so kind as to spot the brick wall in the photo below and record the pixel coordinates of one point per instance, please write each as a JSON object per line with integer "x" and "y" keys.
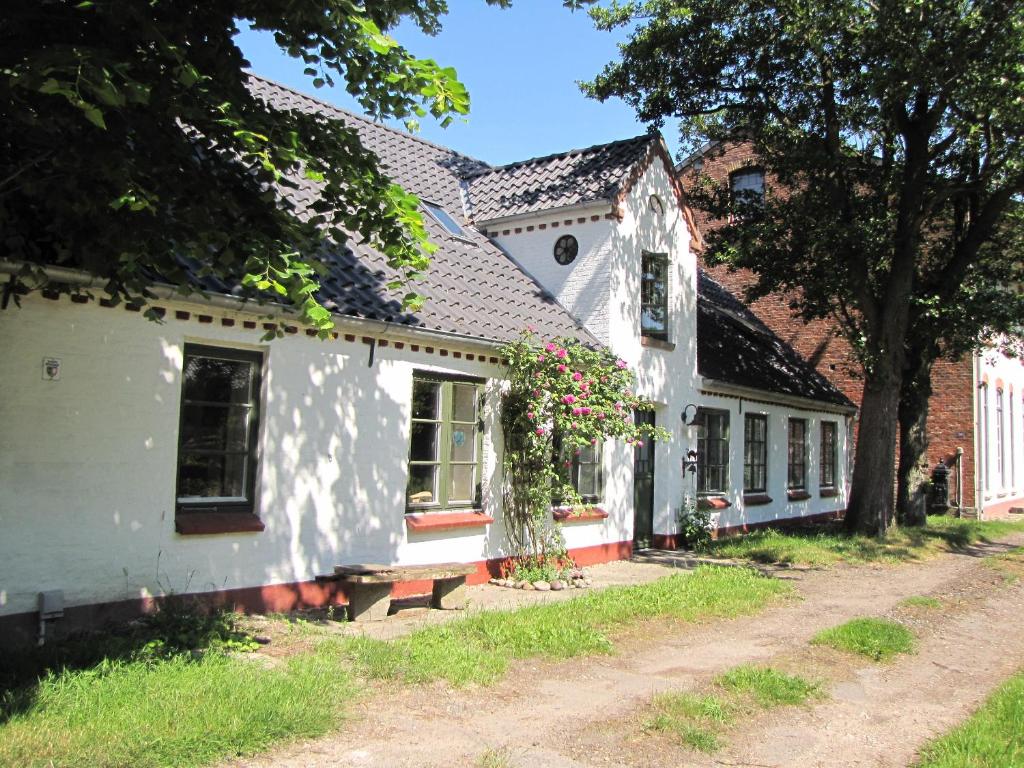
{"x": 951, "y": 414}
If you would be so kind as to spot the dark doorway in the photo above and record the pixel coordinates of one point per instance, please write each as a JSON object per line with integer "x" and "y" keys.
{"x": 643, "y": 486}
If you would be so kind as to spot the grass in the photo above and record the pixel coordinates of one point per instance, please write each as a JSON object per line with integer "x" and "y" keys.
{"x": 1010, "y": 565}
{"x": 823, "y": 547}
{"x": 992, "y": 738}
{"x": 479, "y": 648}
{"x": 174, "y": 712}
{"x": 878, "y": 639}
{"x": 700, "y": 721}
{"x": 495, "y": 758}
{"x": 921, "y": 601}
{"x": 769, "y": 687}
{"x": 154, "y": 705}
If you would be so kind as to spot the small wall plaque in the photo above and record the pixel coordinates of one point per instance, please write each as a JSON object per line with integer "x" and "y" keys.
{"x": 51, "y": 369}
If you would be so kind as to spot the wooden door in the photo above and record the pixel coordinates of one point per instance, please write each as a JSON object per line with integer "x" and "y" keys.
{"x": 643, "y": 487}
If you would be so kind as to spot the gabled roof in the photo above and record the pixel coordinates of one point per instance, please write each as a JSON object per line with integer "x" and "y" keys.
{"x": 471, "y": 287}
{"x": 735, "y": 347}
{"x": 572, "y": 178}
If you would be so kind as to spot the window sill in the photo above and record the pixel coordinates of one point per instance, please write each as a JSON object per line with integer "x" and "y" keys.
{"x": 826, "y": 493}
{"x": 656, "y": 343}
{"x": 798, "y": 495}
{"x": 420, "y": 522}
{"x": 580, "y": 515}
{"x": 756, "y": 499}
{"x": 713, "y": 502}
{"x": 204, "y": 523}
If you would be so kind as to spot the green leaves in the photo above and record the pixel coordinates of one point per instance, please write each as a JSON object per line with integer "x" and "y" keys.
{"x": 134, "y": 146}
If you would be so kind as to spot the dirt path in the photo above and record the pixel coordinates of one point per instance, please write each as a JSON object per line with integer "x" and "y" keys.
{"x": 585, "y": 712}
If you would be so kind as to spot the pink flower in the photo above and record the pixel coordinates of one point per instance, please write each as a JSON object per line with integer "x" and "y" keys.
{"x": 531, "y": 328}
{"x": 600, "y": 417}
{"x": 577, "y": 411}
{"x": 540, "y": 430}
{"x": 578, "y": 452}
{"x": 568, "y": 463}
{"x": 529, "y": 415}
{"x": 618, "y": 406}
{"x": 639, "y": 443}
{"x": 550, "y": 347}
{"x": 561, "y": 354}
{"x": 574, "y": 425}
{"x": 536, "y": 393}
{"x": 620, "y": 363}
{"x": 577, "y": 376}
{"x": 594, "y": 441}
{"x": 562, "y": 368}
{"x": 629, "y": 440}
{"x": 569, "y": 399}
{"x": 604, "y": 379}
{"x": 585, "y": 386}
{"x": 540, "y": 358}
{"x": 585, "y": 411}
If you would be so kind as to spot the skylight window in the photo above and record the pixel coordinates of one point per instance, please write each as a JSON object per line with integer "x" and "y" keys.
{"x": 445, "y": 220}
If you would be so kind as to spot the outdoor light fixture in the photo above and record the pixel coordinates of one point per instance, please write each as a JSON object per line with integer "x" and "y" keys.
{"x": 690, "y": 421}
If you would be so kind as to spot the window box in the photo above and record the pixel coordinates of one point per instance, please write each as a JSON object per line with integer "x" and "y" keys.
{"x": 798, "y": 495}
{"x": 826, "y": 493}
{"x": 206, "y": 523}
{"x": 582, "y": 515}
{"x": 712, "y": 503}
{"x": 656, "y": 343}
{"x": 421, "y": 522}
{"x": 756, "y": 499}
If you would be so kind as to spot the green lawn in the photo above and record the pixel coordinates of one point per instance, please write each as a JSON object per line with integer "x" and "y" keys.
{"x": 992, "y": 738}
{"x": 817, "y": 547}
{"x": 147, "y": 710}
{"x": 878, "y": 639}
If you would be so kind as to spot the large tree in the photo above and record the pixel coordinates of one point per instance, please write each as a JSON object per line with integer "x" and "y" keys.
{"x": 895, "y": 128}
{"x": 132, "y": 148}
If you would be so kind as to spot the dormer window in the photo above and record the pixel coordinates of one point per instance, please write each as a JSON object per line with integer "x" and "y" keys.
{"x": 747, "y": 186}
{"x": 654, "y": 296}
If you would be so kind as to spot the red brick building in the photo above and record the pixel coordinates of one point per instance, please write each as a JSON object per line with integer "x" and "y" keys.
{"x": 978, "y": 403}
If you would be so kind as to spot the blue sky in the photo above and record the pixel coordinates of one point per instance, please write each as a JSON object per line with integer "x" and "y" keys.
{"x": 520, "y": 66}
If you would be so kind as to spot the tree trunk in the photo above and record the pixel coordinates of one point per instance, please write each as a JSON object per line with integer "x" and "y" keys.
{"x": 911, "y": 474}
{"x": 870, "y": 510}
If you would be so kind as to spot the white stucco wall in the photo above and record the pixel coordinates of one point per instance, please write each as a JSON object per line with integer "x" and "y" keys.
{"x": 1000, "y": 485}
{"x": 88, "y": 463}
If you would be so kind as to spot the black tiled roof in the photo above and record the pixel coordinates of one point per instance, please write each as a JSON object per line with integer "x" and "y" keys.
{"x": 735, "y": 347}
{"x": 569, "y": 178}
{"x": 471, "y": 287}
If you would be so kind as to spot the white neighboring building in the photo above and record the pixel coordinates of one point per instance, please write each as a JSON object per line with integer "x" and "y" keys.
{"x": 999, "y": 434}
{"x": 139, "y": 459}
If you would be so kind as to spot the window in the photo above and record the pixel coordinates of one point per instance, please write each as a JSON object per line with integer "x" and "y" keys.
{"x": 654, "y": 295}
{"x": 747, "y": 186}
{"x": 445, "y": 446}
{"x": 581, "y": 469}
{"x": 797, "y": 455}
{"x": 1000, "y": 452}
{"x": 827, "y": 474}
{"x": 983, "y": 396}
{"x": 218, "y": 430}
{"x": 713, "y": 451}
{"x": 445, "y": 220}
{"x": 755, "y": 453}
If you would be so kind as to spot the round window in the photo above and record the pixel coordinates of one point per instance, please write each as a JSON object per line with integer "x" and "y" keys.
{"x": 566, "y": 249}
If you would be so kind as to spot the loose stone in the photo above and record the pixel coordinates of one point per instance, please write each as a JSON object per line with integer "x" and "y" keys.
{"x": 557, "y": 585}
{"x": 541, "y": 586}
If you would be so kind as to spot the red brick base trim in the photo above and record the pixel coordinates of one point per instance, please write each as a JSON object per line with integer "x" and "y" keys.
{"x": 20, "y": 629}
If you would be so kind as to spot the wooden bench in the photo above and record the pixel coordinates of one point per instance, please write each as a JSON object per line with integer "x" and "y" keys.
{"x": 368, "y": 586}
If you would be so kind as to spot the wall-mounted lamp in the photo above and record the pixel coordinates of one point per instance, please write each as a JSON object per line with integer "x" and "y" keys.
{"x": 689, "y": 415}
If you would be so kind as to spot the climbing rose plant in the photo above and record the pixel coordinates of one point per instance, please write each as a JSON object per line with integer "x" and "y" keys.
{"x": 563, "y": 398}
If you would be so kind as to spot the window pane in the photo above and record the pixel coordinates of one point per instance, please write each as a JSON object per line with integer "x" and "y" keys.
{"x": 214, "y": 428}
{"x": 422, "y": 484}
{"x": 426, "y": 396}
{"x": 217, "y": 381}
{"x": 423, "y": 446}
{"x": 463, "y": 447}
{"x": 462, "y": 476}
{"x": 653, "y": 294}
{"x": 208, "y": 477}
{"x": 588, "y": 480}
{"x": 464, "y": 402}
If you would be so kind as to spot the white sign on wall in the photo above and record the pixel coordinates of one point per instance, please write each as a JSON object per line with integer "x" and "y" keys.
{"x": 51, "y": 369}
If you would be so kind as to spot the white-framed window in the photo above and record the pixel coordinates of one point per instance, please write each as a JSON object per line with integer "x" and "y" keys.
{"x": 829, "y": 450}
{"x": 755, "y": 453}
{"x": 797, "y": 465}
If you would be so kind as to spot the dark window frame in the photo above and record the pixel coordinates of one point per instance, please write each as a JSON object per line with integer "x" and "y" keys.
{"x": 186, "y": 505}
{"x": 828, "y": 463}
{"x": 749, "y": 446}
{"x": 445, "y": 428}
{"x": 661, "y": 261}
{"x": 703, "y": 476}
{"x": 793, "y": 483}
{"x": 753, "y": 198}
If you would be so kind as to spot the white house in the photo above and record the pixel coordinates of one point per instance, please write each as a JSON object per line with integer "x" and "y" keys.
{"x": 138, "y": 458}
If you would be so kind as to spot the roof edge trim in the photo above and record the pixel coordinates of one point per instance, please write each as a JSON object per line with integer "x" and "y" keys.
{"x": 719, "y": 387}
